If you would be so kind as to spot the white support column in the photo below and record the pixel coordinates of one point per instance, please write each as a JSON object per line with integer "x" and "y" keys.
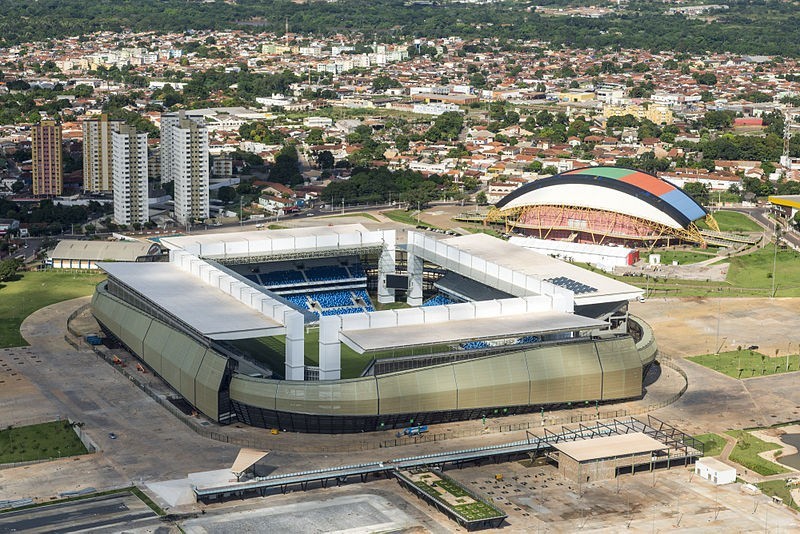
{"x": 295, "y": 345}
{"x": 414, "y": 280}
{"x": 330, "y": 348}
{"x": 386, "y": 265}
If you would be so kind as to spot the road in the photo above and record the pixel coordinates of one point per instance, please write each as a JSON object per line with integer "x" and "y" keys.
{"x": 760, "y": 214}
{"x": 109, "y": 513}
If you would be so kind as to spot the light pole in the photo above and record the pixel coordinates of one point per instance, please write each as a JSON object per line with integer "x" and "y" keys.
{"x": 775, "y": 259}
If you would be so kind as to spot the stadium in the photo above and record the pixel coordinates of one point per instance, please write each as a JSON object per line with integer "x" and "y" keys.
{"x": 605, "y": 206}
{"x": 340, "y": 329}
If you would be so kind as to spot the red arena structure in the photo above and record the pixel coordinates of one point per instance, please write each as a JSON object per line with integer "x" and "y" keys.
{"x": 604, "y": 205}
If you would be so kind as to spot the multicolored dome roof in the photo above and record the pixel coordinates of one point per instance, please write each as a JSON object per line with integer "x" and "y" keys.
{"x": 635, "y": 193}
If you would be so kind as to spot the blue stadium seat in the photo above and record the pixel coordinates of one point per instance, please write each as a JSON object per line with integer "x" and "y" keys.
{"x": 474, "y": 345}
{"x": 327, "y": 273}
{"x": 281, "y": 278}
{"x": 438, "y": 300}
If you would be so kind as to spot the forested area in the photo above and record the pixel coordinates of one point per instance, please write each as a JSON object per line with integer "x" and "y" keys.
{"x": 748, "y": 26}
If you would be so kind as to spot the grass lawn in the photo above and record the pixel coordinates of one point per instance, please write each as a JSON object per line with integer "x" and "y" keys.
{"x": 471, "y": 511}
{"x": 35, "y": 442}
{"x": 755, "y": 271}
{"x": 359, "y": 214}
{"x": 406, "y": 217}
{"x": 746, "y": 453}
{"x": 35, "y": 290}
{"x": 748, "y": 276}
{"x": 733, "y": 221}
{"x": 714, "y": 443}
{"x": 681, "y": 256}
{"x": 746, "y": 363}
{"x": 778, "y": 488}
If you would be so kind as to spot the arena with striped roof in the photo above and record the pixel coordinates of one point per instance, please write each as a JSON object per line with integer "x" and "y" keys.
{"x": 604, "y": 205}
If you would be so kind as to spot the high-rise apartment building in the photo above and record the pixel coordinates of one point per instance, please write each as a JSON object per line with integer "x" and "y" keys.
{"x": 97, "y": 153}
{"x": 184, "y": 161}
{"x": 48, "y": 178}
{"x": 129, "y": 171}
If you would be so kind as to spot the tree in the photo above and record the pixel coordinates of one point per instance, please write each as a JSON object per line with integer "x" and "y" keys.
{"x": 381, "y": 83}
{"x": 8, "y": 268}
{"x": 481, "y": 199}
{"x": 401, "y": 142}
{"x": 314, "y": 136}
{"x": 226, "y": 193}
{"x": 698, "y": 191}
{"x": 705, "y": 78}
{"x": 325, "y": 160}
{"x": 421, "y": 195}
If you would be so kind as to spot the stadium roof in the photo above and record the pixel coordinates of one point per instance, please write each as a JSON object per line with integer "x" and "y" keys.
{"x": 587, "y": 450}
{"x": 392, "y": 337}
{"x": 256, "y": 243}
{"x": 75, "y": 249}
{"x": 204, "y": 308}
{"x": 628, "y": 191}
{"x": 790, "y": 201}
{"x": 543, "y": 267}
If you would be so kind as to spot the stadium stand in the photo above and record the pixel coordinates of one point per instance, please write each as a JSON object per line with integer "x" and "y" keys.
{"x": 438, "y": 300}
{"x": 326, "y": 273}
{"x": 281, "y": 278}
{"x": 474, "y": 345}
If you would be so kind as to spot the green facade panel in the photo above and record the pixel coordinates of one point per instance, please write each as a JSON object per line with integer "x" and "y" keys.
{"x": 133, "y": 327}
{"x": 494, "y": 381}
{"x": 207, "y": 383}
{"x": 564, "y": 373}
{"x": 258, "y": 392}
{"x": 157, "y": 338}
{"x": 421, "y": 390}
{"x": 622, "y": 368}
{"x": 342, "y": 397}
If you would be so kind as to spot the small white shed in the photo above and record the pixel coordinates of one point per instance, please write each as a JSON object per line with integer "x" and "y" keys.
{"x": 717, "y": 472}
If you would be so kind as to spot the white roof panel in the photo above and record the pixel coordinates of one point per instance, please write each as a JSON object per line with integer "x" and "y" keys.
{"x": 206, "y": 309}
{"x": 543, "y": 267}
{"x": 509, "y": 326}
{"x": 259, "y": 242}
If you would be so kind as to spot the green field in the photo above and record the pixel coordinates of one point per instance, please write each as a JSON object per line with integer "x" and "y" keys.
{"x": 747, "y": 363}
{"x": 35, "y": 290}
{"x": 681, "y": 256}
{"x": 746, "y": 453}
{"x": 358, "y": 214}
{"x": 733, "y": 221}
{"x": 755, "y": 271}
{"x": 270, "y": 351}
{"x": 778, "y": 488}
{"x": 36, "y": 442}
{"x": 406, "y": 217}
{"x": 748, "y": 276}
{"x": 471, "y": 511}
{"x": 713, "y": 443}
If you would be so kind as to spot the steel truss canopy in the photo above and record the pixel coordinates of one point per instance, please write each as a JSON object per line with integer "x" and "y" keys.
{"x": 258, "y": 245}
{"x": 204, "y": 308}
{"x": 600, "y": 448}
{"x": 459, "y": 331}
